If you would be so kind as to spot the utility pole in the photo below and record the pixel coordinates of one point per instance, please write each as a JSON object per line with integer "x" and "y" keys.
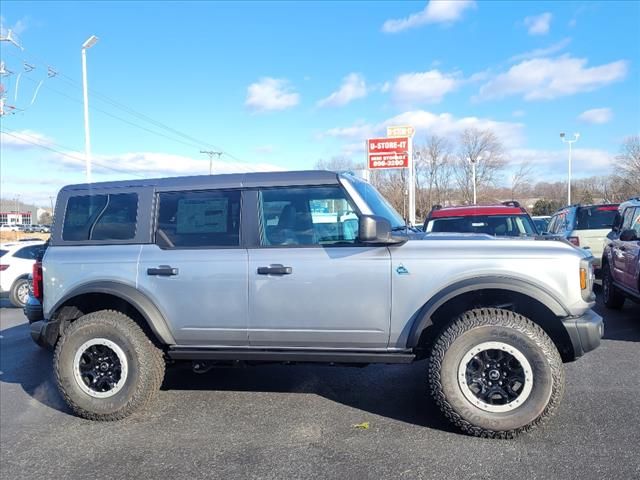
{"x": 576, "y": 136}
{"x": 211, "y": 153}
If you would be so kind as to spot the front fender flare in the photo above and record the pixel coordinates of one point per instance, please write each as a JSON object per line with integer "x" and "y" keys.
{"x": 152, "y": 315}
{"x": 530, "y": 289}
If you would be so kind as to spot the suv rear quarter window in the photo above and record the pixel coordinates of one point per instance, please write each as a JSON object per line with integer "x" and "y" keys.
{"x": 101, "y": 217}
{"x": 595, "y": 217}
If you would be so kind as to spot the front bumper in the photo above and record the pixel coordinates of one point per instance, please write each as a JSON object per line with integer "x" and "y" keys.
{"x": 584, "y": 331}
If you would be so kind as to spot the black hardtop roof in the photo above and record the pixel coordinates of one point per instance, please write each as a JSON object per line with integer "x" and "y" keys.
{"x": 231, "y": 180}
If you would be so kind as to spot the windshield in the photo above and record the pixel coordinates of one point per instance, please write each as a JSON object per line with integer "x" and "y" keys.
{"x": 593, "y": 218}
{"x": 377, "y": 203}
{"x": 541, "y": 224}
{"x": 496, "y": 225}
{"x": 2, "y": 252}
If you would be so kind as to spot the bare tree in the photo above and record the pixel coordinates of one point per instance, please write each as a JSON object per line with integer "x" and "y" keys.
{"x": 521, "y": 178}
{"x": 629, "y": 164}
{"x": 338, "y": 163}
{"x": 433, "y": 169}
{"x": 485, "y": 149}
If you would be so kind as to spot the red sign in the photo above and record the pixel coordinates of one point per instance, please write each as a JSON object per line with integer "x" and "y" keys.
{"x": 388, "y": 152}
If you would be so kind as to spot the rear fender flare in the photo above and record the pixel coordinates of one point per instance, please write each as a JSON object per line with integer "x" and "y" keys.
{"x": 152, "y": 315}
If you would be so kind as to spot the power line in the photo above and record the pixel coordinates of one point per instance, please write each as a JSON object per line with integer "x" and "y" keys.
{"x": 21, "y": 136}
{"x": 140, "y": 116}
{"x": 124, "y": 120}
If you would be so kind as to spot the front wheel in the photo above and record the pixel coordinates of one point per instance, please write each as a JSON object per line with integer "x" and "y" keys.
{"x": 495, "y": 373}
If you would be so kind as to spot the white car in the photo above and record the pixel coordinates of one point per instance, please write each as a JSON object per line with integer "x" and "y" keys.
{"x": 585, "y": 226}
{"x": 8, "y": 227}
{"x": 16, "y": 263}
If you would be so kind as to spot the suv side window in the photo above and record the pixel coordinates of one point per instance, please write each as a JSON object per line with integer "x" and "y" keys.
{"x": 307, "y": 216}
{"x": 199, "y": 219}
{"x": 631, "y": 219}
{"x": 29, "y": 253}
{"x": 101, "y": 217}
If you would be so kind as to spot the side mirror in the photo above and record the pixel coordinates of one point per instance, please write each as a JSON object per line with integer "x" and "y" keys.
{"x": 376, "y": 230}
{"x": 628, "y": 236}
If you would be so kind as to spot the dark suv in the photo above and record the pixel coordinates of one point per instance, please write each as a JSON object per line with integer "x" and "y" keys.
{"x": 621, "y": 257}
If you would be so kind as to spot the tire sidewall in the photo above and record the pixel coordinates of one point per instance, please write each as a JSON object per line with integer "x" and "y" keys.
{"x": 65, "y": 368}
{"x": 535, "y": 404}
{"x": 607, "y": 284}
{"x": 15, "y": 300}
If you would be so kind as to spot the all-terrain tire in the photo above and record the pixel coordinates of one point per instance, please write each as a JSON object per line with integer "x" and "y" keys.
{"x": 17, "y": 290}
{"x": 515, "y": 333}
{"x": 611, "y": 296}
{"x": 144, "y": 366}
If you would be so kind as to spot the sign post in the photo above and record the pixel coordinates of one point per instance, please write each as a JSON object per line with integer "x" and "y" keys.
{"x": 395, "y": 151}
{"x": 407, "y": 131}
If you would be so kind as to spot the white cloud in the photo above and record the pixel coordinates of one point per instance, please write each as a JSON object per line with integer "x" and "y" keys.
{"x": 436, "y": 11}
{"x": 586, "y": 162}
{"x": 158, "y": 164}
{"x": 424, "y": 87}
{"x": 269, "y": 94}
{"x": 542, "y": 52}
{"x": 518, "y": 113}
{"x": 23, "y": 140}
{"x": 549, "y": 78}
{"x": 428, "y": 123}
{"x": 265, "y": 149}
{"x": 538, "y": 24}
{"x": 359, "y": 130}
{"x": 353, "y": 87}
{"x": 596, "y": 116}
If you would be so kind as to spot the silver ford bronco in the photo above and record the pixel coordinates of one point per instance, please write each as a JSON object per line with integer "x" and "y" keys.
{"x": 302, "y": 267}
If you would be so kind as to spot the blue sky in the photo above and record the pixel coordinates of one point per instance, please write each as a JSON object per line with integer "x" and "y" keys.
{"x": 283, "y": 84}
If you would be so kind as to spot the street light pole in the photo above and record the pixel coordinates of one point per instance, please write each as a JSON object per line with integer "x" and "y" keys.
{"x": 576, "y": 136}
{"x": 91, "y": 41}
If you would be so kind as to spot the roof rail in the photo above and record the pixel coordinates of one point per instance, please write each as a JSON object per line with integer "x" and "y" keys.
{"x": 511, "y": 203}
{"x": 436, "y": 207}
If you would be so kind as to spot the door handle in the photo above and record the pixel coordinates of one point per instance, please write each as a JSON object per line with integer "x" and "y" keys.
{"x": 163, "y": 271}
{"x": 276, "y": 269}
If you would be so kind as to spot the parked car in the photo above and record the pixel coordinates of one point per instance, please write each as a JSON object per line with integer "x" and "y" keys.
{"x": 505, "y": 220}
{"x": 541, "y": 222}
{"x": 42, "y": 228}
{"x": 16, "y": 263}
{"x": 621, "y": 258}
{"x": 301, "y": 267}
{"x": 9, "y": 227}
{"x": 585, "y": 226}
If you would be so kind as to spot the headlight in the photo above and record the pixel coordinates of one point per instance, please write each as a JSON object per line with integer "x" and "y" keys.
{"x": 587, "y": 277}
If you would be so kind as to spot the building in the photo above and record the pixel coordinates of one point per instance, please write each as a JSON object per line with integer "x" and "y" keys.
{"x": 20, "y": 218}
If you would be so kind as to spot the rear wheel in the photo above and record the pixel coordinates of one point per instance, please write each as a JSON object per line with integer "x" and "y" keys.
{"x": 495, "y": 373}
{"x": 106, "y": 367}
{"x": 19, "y": 292}
{"x": 610, "y": 294}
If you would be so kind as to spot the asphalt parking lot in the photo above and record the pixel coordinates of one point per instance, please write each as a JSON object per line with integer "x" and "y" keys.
{"x": 298, "y": 422}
